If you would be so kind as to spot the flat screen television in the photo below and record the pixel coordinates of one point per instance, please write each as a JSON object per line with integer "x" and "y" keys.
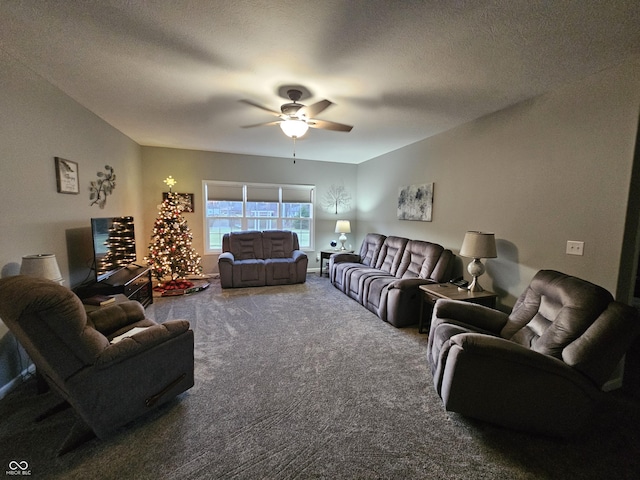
{"x": 114, "y": 245}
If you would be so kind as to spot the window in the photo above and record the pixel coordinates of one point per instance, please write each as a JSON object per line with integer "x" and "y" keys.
{"x": 233, "y": 207}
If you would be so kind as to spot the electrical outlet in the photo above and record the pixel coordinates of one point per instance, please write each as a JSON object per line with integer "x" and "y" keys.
{"x": 318, "y": 258}
{"x": 575, "y": 248}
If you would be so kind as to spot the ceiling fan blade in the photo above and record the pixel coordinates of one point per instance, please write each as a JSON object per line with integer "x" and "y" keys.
{"x": 261, "y": 107}
{"x": 311, "y": 111}
{"x": 326, "y": 125}
{"x": 266, "y": 124}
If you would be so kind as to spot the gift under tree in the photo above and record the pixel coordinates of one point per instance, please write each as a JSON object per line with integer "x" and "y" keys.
{"x": 171, "y": 255}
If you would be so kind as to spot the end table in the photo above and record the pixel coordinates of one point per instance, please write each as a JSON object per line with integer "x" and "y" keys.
{"x": 432, "y": 292}
{"x": 325, "y": 254}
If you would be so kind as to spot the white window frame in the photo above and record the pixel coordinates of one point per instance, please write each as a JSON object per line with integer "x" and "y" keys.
{"x": 246, "y": 218}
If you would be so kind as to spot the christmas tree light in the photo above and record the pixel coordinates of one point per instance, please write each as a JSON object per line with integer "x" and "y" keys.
{"x": 121, "y": 245}
{"x": 171, "y": 255}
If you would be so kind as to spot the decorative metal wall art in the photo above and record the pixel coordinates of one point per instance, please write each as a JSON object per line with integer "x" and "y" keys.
{"x": 101, "y": 188}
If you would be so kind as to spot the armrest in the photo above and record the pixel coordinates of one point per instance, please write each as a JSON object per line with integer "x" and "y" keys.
{"x": 502, "y": 348}
{"x": 140, "y": 342}
{"x": 442, "y": 270}
{"x": 514, "y": 356}
{"x": 298, "y": 255}
{"x": 114, "y": 317}
{"x": 341, "y": 257}
{"x": 226, "y": 257}
{"x": 470, "y": 314}
{"x": 408, "y": 283}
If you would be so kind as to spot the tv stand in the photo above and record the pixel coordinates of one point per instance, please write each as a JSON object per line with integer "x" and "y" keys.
{"x": 133, "y": 281}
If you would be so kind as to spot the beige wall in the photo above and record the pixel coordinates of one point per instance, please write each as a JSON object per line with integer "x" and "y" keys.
{"x": 39, "y": 122}
{"x": 190, "y": 167}
{"x": 551, "y": 169}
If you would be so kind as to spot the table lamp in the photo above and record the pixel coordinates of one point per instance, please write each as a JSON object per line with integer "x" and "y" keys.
{"x": 477, "y": 245}
{"x": 342, "y": 227}
{"x": 42, "y": 265}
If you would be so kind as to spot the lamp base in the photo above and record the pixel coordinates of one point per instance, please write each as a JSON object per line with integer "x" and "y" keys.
{"x": 342, "y": 238}
{"x": 475, "y": 269}
{"x": 475, "y": 286}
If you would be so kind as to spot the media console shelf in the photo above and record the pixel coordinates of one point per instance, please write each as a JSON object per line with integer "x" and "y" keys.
{"x": 133, "y": 281}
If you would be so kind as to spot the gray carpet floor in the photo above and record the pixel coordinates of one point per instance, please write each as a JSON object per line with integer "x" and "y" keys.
{"x": 298, "y": 382}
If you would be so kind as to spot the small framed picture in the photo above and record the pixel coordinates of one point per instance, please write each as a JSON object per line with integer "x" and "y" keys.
{"x": 185, "y": 200}
{"x": 67, "y": 177}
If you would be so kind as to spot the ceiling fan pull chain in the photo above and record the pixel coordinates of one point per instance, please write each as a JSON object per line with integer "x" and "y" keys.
{"x": 294, "y": 150}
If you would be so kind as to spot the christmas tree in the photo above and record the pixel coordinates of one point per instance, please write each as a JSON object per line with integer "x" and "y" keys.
{"x": 171, "y": 256}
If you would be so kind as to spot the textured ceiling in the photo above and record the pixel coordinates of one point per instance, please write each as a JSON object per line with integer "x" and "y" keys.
{"x": 171, "y": 73}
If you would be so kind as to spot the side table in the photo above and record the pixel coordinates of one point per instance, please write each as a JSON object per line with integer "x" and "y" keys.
{"x": 325, "y": 254}
{"x": 432, "y": 292}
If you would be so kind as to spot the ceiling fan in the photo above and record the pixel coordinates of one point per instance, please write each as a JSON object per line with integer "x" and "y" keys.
{"x": 296, "y": 118}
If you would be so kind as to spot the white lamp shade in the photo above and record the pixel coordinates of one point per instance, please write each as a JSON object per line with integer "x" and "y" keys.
{"x": 42, "y": 265}
{"x": 478, "y": 245}
{"x": 294, "y": 128}
{"x": 343, "y": 226}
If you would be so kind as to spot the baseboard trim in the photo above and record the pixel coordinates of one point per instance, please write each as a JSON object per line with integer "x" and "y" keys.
{"x": 13, "y": 384}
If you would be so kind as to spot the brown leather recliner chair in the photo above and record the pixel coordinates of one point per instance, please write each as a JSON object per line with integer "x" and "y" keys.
{"x": 540, "y": 368}
{"x": 108, "y": 385}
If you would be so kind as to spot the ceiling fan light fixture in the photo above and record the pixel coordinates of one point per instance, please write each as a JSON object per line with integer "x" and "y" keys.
{"x": 294, "y": 128}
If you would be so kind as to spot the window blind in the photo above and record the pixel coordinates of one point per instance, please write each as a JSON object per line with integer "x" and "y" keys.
{"x": 224, "y": 192}
{"x": 263, "y": 194}
{"x": 297, "y": 194}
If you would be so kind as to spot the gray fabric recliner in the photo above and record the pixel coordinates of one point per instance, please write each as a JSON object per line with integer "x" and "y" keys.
{"x": 541, "y": 367}
{"x": 108, "y": 385}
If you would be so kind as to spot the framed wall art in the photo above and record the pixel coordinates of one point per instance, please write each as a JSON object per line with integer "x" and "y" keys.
{"x": 67, "y": 178}
{"x": 183, "y": 199}
{"x": 336, "y": 199}
{"x": 415, "y": 202}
